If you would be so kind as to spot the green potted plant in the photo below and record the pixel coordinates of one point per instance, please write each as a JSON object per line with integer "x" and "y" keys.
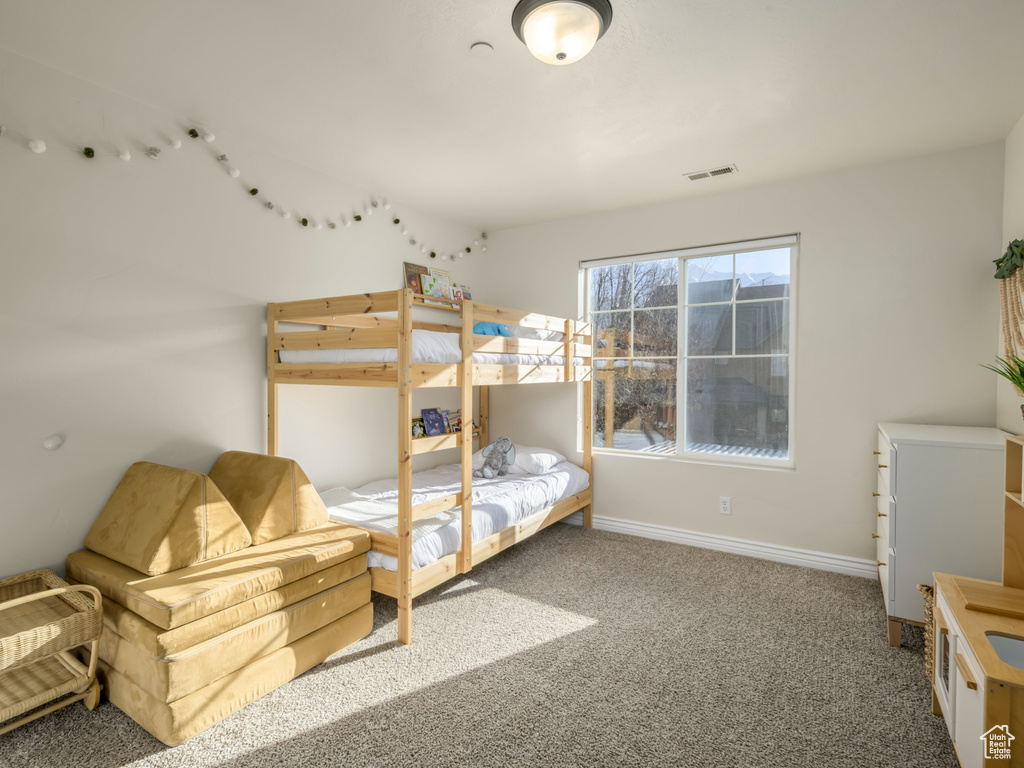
{"x": 1012, "y": 369}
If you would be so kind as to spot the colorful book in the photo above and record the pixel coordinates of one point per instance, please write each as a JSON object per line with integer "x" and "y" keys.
{"x": 433, "y": 421}
{"x": 412, "y": 275}
{"x": 419, "y": 429}
{"x": 432, "y": 286}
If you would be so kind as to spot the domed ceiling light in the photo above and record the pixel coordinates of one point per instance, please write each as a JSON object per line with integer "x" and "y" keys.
{"x": 561, "y": 31}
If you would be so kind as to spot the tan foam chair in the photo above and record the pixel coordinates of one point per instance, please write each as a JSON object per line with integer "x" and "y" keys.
{"x": 198, "y": 621}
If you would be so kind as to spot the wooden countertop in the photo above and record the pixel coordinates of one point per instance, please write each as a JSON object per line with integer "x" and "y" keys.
{"x": 976, "y": 623}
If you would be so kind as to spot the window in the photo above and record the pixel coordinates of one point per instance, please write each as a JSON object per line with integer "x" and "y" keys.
{"x": 693, "y": 352}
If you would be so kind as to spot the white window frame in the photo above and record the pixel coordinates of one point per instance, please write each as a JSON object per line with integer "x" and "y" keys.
{"x": 685, "y": 254}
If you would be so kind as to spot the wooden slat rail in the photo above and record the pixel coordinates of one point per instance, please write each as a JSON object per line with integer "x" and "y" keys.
{"x": 488, "y": 375}
{"x": 492, "y": 314}
{"x": 503, "y": 345}
{"x": 320, "y": 309}
{"x": 439, "y": 327}
{"x": 385, "y": 543}
{"x": 340, "y": 374}
{"x": 443, "y": 504}
{"x": 347, "y": 338}
{"x": 528, "y": 526}
{"x": 440, "y": 442}
{"x": 450, "y": 305}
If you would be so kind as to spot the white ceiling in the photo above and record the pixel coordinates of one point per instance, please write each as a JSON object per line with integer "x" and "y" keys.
{"x": 386, "y": 95}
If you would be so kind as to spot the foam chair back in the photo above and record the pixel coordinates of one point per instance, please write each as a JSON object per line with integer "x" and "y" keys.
{"x": 271, "y": 494}
{"x": 160, "y": 519}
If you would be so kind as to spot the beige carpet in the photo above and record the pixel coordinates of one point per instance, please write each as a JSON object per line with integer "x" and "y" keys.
{"x": 577, "y": 648}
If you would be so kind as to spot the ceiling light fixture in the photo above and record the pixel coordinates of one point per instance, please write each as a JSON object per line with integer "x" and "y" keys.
{"x": 561, "y": 31}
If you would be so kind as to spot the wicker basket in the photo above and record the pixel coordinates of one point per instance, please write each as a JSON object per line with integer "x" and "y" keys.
{"x": 928, "y": 592}
{"x": 41, "y": 620}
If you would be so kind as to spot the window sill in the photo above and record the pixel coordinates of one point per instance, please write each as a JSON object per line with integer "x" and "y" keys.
{"x": 771, "y": 465}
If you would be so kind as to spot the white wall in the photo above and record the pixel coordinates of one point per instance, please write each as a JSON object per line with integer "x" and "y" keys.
{"x": 132, "y": 305}
{"x": 897, "y": 306}
{"x": 1008, "y": 415}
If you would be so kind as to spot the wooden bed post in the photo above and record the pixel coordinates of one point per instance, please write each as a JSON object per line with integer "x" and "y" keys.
{"x": 404, "y": 575}
{"x": 485, "y": 409}
{"x": 465, "y": 556}
{"x": 271, "y": 383}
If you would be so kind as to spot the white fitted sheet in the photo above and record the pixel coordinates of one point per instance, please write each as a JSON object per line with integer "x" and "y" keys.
{"x": 497, "y": 504}
{"x": 427, "y": 347}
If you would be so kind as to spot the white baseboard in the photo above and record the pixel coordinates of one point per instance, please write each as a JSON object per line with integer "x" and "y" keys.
{"x": 851, "y": 566}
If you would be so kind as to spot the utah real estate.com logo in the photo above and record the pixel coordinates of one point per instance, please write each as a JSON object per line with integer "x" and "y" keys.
{"x": 997, "y": 742}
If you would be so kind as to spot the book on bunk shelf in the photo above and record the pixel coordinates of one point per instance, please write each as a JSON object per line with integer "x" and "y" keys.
{"x": 412, "y": 275}
{"x": 419, "y": 429}
{"x": 455, "y": 420}
{"x": 446, "y": 415}
{"x": 432, "y": 286}
{"x": 433, "y": 421}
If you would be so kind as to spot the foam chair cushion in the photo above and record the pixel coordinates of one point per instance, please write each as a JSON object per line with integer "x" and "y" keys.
{"x": 271, "y": 494}
{"x": 174, "y": 599}
{"x": 160, "y": 519}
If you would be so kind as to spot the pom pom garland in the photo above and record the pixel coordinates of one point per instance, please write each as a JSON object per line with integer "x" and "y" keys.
{"x": 38, "y": 146}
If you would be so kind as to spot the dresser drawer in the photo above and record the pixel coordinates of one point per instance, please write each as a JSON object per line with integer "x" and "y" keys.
{"x": 886, "y": 566}
{"x": 886, "y": 457}
{"x": 885, "y": 512}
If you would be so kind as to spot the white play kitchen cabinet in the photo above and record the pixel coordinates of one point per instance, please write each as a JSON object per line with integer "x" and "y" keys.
{"x": 939, "y": 508}
{"x": 978, "y": 674}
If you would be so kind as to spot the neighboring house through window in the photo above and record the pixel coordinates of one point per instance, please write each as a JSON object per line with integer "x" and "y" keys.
{"x": 698, "y": 367}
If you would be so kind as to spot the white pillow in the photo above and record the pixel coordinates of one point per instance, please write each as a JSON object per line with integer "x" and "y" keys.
{"x": 519, "y": 332}
{"x": 529, "y": 461}
{"x": 534, "y": 461}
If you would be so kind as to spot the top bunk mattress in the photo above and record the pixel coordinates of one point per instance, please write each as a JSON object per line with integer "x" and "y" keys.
{"x": 427, "y": 347}
{"x": 497, "y": 504}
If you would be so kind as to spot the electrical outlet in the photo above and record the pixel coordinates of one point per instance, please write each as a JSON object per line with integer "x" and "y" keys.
{"x": 725, "y": 505}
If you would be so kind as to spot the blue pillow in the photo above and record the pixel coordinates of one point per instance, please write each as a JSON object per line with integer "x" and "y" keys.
{"x": 491, "y": 329}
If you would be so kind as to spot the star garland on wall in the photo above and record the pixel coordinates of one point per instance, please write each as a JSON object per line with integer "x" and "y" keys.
{"x": 358, "y": 215}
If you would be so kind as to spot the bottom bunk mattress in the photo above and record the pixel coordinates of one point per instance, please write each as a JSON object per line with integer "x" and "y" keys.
{"x": 497, "y": 504}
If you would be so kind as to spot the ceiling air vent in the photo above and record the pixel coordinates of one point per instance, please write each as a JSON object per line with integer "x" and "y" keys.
{"x": 724, "y": 170}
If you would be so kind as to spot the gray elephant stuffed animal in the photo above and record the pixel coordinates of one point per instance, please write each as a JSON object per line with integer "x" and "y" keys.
{"x": 498, "y": 456}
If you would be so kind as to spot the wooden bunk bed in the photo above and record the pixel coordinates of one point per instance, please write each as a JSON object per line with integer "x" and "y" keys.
{"x": 385, "y": 320}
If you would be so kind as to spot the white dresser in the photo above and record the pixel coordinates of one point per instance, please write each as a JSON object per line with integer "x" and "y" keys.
{"x": 940, "y": 508}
